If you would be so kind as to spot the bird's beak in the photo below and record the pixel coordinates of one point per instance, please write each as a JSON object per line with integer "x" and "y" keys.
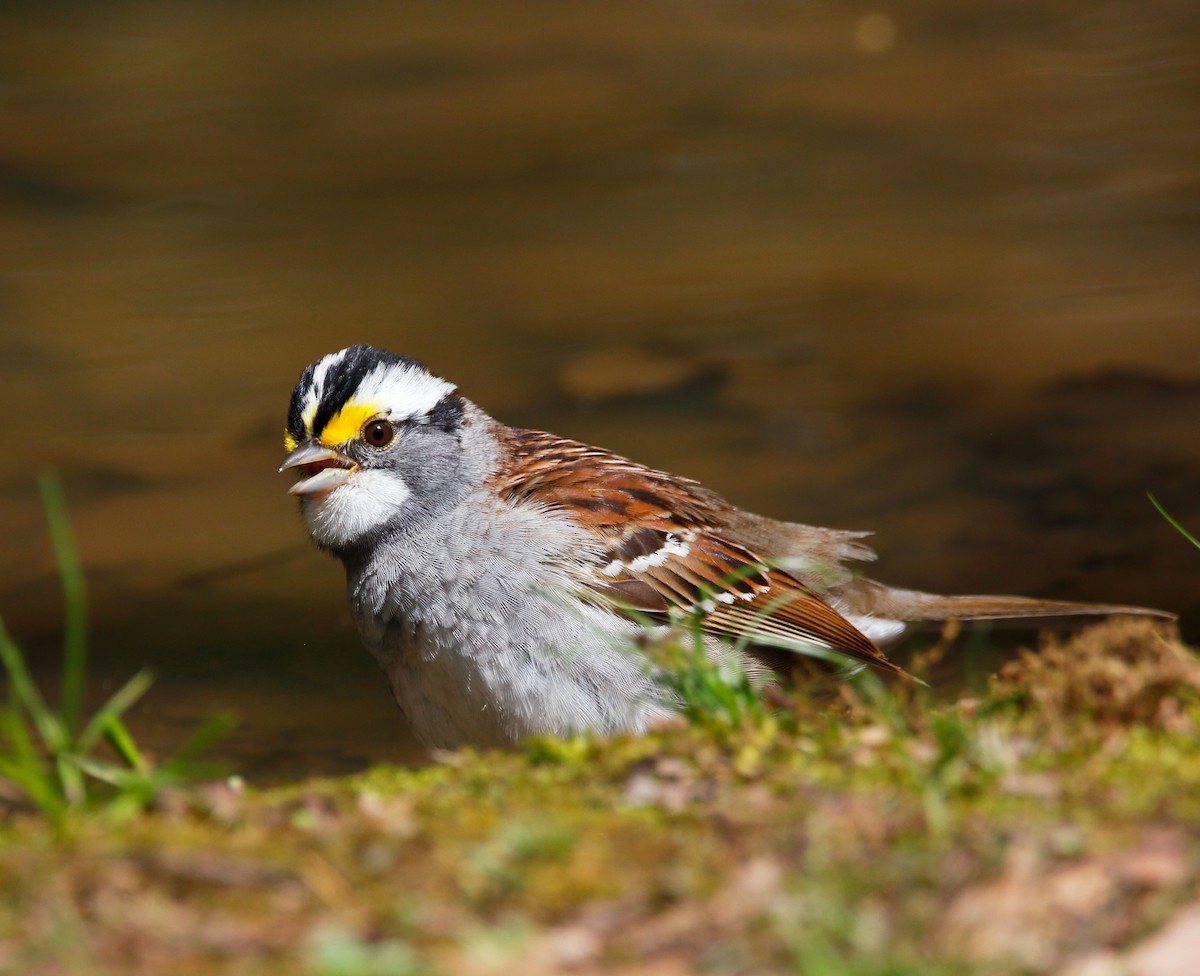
{"x": 321, "y": 467}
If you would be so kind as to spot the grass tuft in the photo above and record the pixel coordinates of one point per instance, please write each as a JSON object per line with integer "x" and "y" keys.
{"x": 52, "y": 759}
{"x": 711, "y": 691}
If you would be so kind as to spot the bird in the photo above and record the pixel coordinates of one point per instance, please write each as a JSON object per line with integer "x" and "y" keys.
{"x": 509, "y": 581}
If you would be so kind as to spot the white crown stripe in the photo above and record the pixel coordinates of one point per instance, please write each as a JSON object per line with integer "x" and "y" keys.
{"x": 405, "y": 391}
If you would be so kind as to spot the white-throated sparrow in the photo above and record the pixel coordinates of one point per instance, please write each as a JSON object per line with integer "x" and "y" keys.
{"x": 503, "y": 577}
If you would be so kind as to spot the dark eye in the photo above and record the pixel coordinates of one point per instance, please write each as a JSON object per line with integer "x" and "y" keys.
{"x": 378, "y": 433}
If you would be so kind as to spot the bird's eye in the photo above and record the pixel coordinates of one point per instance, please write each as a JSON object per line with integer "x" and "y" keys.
{"x": 378, "y": 433}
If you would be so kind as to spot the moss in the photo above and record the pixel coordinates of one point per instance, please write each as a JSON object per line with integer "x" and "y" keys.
{"x": 884, "y": 832}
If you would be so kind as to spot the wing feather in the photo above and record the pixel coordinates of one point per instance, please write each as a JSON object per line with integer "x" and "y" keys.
{"x": 665, "y": 551}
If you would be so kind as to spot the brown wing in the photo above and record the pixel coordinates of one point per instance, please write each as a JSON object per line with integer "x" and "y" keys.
{"x": 664, "y": 550}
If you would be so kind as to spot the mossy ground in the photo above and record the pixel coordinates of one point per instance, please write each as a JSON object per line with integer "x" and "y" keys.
{"x": 1049, "y": 825}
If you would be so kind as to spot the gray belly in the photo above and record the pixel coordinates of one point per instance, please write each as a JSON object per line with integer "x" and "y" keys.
{"x": 509, "y": 669}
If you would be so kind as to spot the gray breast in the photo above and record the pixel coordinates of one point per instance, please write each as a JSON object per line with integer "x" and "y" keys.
{"x": 478, "y": 623}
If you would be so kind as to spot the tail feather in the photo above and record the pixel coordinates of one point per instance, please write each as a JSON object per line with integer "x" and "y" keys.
{"x": 865, "y": 596}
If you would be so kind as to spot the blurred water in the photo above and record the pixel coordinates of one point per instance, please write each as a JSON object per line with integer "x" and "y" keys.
{"x": 930, "y": 269}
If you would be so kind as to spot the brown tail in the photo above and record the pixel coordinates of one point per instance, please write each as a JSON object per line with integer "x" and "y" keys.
{"x": 867, "y": 596}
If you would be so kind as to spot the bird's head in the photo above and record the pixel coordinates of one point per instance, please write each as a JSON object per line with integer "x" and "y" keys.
{"x": 376, "y": 440}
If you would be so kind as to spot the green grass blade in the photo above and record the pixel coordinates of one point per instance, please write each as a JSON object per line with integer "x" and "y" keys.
{"x": 14, "y": 733}
{"x": 16, "y": 736}
{"x": 1178, "y": 528}
{"x": 41, "y": 793}
{"x": 75, "y": 595}
{"x": 110, "y": 773}
{"x": 25, "y": 766}
{"x": 70, "y": 780}
{"x": 114, "y": 708}
{"x": 202, "y": 739}
{"x": 24, "y": 693}
{"x": 122, "y": 741}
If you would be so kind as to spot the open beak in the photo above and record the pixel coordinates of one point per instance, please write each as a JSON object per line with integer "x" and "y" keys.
{"x": 321, "y": 468}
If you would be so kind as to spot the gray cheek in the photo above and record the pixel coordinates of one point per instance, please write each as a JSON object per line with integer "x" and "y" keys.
{"x": 431, "y": 464}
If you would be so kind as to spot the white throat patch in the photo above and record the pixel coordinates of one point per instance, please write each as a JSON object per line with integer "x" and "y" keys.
{"x": 366, "y": 501}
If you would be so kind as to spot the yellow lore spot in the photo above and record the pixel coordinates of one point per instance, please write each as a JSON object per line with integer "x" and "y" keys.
{"x": 348, "y": 422}
{"x": 289, "y": 442}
